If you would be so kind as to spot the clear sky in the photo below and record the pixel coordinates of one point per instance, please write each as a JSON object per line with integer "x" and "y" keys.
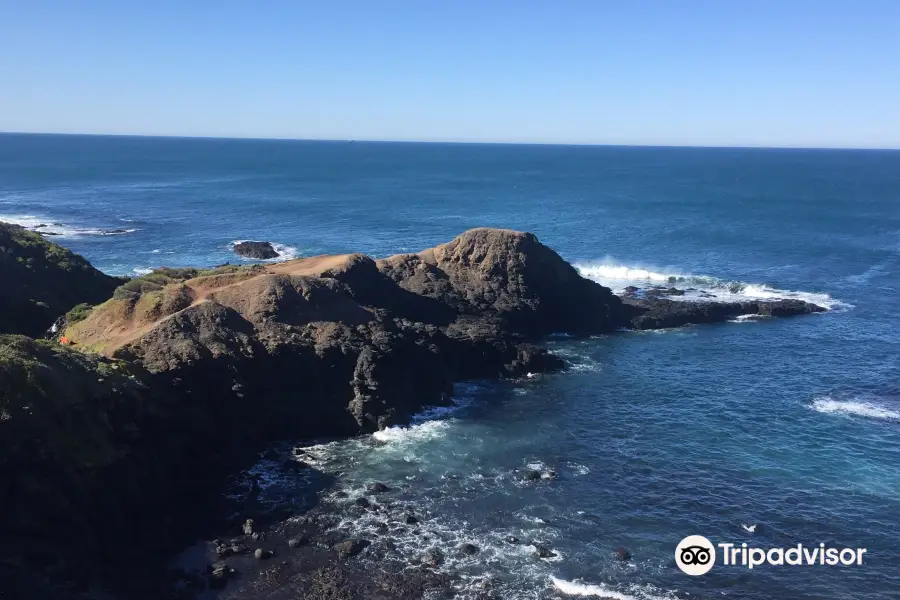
{"x": 676, "y": 72}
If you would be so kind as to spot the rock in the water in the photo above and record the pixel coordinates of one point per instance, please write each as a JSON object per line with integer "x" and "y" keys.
{"x": 661, "y": 313}
{"x": 247, "y": 527}
{"x": 511, "y": 539}
{"x": 219, "y": 574}
{"x": 542, "y": 551}
{"x": 532, "y": 475}
{"x": 262, "y": 553}
{"x": 657, "y": 292}
{"x": 378, "y": 488}
{"x": 623, "y": 554}
{"x": 433, "y": 558}
{"x": 468, "y": 549}
{"x": 363, "y": 502}
{"x": 350, "y": 548}
{"x": 296, "y": 542}
{"x": 410, "y": 520}
{"x": 258, "y": 250}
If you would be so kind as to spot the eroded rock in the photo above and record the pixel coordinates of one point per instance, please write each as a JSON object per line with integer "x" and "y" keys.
{"x": 257, "y": 250}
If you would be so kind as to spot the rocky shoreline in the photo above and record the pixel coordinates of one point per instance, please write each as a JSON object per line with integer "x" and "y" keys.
{"x": 216, "y": 364}
{"x": 291, "y": 540}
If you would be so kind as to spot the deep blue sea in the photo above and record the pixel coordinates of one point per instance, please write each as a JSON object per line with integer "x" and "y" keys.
{"x": 792, "y": 425}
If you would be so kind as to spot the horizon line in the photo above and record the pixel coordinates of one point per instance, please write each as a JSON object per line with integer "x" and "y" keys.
{"x": 452, "y": 141}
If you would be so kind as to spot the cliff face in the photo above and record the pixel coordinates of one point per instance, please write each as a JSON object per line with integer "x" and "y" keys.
{"x": 42, "y": 281}
{"x": 94, "y": 485}
{"x": 68, "y": 423}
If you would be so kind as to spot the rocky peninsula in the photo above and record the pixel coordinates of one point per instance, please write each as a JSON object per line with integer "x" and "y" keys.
{"x": 156, "y": 389}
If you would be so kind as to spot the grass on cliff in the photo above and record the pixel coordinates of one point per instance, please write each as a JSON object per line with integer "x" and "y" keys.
{"x": 144, "y": 300}
{"x": 160, "y": 278}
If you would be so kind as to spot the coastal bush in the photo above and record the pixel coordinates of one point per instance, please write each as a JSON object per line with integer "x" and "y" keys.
{"x": 78, "y": 313}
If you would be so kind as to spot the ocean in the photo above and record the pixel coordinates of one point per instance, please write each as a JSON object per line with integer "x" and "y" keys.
{"x": 791, "y": 425}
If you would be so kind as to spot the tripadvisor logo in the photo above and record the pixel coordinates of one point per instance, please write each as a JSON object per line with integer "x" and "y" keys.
{"x": 696, "y": 555}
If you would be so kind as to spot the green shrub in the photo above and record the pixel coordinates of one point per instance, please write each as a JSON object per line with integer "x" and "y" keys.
{"x": 78, "y": 313}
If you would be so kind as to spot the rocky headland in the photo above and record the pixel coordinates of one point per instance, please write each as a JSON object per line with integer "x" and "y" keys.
{"x": 168, "y": 383}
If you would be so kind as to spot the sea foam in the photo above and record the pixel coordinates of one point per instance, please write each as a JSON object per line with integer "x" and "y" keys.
{"x": 413, "y": 433}
{"x": 856, "y": 407}
{"x": 575, "y": 588}
{"x": 617, "y": 277}
{"x": 61, "y": 230}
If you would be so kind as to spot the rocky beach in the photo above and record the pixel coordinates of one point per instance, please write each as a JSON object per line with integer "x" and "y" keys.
{"x": 136, "y": 404}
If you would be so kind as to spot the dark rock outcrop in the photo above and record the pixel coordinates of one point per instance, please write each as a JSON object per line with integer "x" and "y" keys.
{"x": 42, "y": 281}
{"x": 659, "y": 313}
{"x": 433, "y": 558}
{"x": 351, "y": 548}
{"x": 525, "y": 285}
{"x": 257, "y": 250}
{"x": 623, "y": 554}
{"x": 469, "y": 549}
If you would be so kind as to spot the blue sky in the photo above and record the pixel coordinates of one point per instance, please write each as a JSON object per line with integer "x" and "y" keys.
{"x": 679, "y": 72}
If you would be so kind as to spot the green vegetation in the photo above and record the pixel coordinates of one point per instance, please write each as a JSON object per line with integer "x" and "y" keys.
{"x": 42, "y": 281}
{"x": 163, "y": 276}
{"x": 32, "y": 250}
{"x": 59, "y": 402}
{"x": 78, "y": 313}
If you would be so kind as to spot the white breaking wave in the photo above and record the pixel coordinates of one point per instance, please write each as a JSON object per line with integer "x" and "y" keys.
{"x": 703, "y": 287}
{"x": 746, "y": 318}
{"x": 56, "y": 229}
{"x": 624, "y": 273}
{"x": 574, "y": 588}
{"x": 413, "y": 433}
{"x": 580, "y": 469}
{"x": 284, "y": 251}
{"x": 856, "y": 407}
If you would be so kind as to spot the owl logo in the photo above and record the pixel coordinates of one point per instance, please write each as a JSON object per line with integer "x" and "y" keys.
{"x": 695, "y": 555}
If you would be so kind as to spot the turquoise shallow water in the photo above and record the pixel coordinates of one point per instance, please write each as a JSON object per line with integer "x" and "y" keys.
{"x": 793, "y": 424}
